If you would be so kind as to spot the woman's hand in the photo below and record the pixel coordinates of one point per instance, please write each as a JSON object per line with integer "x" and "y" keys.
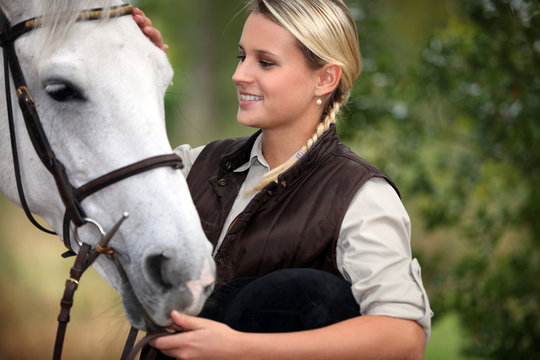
{"x": 146, "y": 27}
{"x": 362, "y": 337}
{"x": 200, "y": 339}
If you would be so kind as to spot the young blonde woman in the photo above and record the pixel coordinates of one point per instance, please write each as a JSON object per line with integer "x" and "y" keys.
{"x": 312, "y": 243}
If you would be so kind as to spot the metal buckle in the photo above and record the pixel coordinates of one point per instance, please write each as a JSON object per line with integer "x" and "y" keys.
{"x": 91, "y": 222}
{"x": 23, "y": 91}
{"x": 102, "y": 246}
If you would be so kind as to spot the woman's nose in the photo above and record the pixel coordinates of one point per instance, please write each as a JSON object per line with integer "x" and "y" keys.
{"x": 241, "y": 74}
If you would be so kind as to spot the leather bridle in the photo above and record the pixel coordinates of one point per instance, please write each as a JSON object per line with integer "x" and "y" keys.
{"x": 71, "y": 196}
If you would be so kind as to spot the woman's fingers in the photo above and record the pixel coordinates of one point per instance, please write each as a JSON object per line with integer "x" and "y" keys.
{"x": 145, "y": 24}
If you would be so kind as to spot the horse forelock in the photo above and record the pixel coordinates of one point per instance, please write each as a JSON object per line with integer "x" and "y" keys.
{"x": 59, "y": 17}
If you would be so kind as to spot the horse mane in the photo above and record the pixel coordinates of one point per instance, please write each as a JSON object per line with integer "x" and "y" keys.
{"x": 59, "y": 17}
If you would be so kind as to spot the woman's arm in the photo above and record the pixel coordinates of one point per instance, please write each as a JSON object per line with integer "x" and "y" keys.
{"x": 374, "y": 254}
{"x": 363, "y": 337}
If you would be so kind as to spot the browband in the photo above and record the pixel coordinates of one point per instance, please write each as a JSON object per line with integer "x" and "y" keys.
{"x": 23, "y": 27}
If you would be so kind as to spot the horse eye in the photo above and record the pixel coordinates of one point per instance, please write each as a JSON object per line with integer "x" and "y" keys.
{"x": 62, "y": 92}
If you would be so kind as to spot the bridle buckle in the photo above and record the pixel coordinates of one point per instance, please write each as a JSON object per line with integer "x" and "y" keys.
{"x": 23, "y": 91}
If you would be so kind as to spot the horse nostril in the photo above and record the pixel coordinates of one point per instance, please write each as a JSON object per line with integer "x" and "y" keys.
{"x": 157, "y": 267}
{"x": 208, "y": 289}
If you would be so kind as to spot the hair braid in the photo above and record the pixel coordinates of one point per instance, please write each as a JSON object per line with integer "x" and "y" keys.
{"x": 322, "y": 127}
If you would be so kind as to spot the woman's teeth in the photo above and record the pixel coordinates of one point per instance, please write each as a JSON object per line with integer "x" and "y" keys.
{"x": 250, "y": 97}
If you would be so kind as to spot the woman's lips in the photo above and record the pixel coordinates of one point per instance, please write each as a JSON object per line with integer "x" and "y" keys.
{"x": 246, "y": 99}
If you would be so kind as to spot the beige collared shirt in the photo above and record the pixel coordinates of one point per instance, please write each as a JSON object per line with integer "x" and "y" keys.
{"x": 373, "y": 250}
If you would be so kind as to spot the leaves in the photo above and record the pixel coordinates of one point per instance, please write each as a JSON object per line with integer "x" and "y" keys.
{"x": 476, "y": 115}
{"x": 459, "y": 131}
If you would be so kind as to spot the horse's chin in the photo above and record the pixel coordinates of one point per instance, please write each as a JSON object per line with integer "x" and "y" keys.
{"x": 140, "y": 318}
{"x": 137, "y": 316}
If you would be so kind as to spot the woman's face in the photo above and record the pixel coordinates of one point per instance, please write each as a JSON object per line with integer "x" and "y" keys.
{"x": 274, "y": 84}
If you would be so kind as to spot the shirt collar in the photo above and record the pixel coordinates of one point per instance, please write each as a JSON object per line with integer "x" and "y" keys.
{"x": 255, "y": 158}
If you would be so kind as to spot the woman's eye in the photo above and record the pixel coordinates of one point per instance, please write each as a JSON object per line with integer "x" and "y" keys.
{"x": 265, "y": 63}
{"x": 62, "y": 92}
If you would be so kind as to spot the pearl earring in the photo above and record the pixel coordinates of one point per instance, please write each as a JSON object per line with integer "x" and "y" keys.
{"x": 319, "y": 101}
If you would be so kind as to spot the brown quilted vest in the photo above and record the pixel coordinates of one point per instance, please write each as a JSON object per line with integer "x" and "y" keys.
{"x": 294, "y": 223}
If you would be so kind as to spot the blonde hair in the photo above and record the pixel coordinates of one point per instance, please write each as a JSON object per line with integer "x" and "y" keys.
{"x": 326, "y": 34}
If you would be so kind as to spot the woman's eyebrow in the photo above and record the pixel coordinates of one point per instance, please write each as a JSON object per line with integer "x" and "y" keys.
{"x": 258, "y": 51}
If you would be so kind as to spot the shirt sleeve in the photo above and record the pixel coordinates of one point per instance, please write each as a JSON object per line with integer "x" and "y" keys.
{"x": 374, "y": 254}
{"x": 188, "y": 156}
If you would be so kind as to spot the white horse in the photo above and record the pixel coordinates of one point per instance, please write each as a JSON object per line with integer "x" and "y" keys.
{"x": 99, "y": 89}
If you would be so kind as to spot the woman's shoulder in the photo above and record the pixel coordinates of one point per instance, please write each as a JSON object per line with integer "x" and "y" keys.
{"x": 361, "y": 166}
{"x": 188, "y": 154}
{"x": 347, "y": 155}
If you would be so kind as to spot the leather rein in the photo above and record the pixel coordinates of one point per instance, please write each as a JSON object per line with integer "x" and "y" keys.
{"x": 71, "y": 196}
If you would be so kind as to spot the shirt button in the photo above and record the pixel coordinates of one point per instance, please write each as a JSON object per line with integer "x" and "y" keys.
{"x": 222, "y": 182}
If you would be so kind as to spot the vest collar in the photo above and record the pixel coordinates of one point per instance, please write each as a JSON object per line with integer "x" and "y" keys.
{"x": 238, "y": 155}
{"x": 256, "y": 156}
{"x": 241, "y": 154}
{"x": 322, "y": 149}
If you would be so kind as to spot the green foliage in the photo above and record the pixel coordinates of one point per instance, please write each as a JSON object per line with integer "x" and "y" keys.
{"x": 378, "y": 94}
{"x": 469, "y": 129}
{"x": 447, "y": 338}
{"x": 486, "y": 68}
{"x": 459, "y": 132}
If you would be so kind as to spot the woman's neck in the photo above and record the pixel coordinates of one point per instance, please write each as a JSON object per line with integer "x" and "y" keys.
{"x": 279, "y": 146}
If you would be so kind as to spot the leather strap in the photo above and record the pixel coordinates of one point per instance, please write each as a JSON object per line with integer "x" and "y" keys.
{"x": 130, "y": 342}
{"x": 171, "y": 160}
{"x": 5, "y": 28}
{"x": 80, "y": 193}
{"x": 66, "y": 303}
{"x": 15, "y": 154}
{"x": 152, "y": 353}
{"x": 23, "y": 27}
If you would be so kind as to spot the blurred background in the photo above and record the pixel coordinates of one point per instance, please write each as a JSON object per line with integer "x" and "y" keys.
{"x": 448, "y": 104}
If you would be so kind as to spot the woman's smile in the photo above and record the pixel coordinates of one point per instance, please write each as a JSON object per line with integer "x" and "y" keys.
{"x": 247, "y": 99}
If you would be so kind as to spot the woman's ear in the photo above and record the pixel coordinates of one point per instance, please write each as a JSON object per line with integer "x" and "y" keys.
{"x": 329, "y": 77}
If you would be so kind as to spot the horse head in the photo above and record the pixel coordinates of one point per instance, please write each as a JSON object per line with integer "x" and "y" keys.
{"x": 99, "y": 90}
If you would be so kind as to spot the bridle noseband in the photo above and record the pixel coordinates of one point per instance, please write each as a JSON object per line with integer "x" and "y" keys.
{"x": 71, "y": 196}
